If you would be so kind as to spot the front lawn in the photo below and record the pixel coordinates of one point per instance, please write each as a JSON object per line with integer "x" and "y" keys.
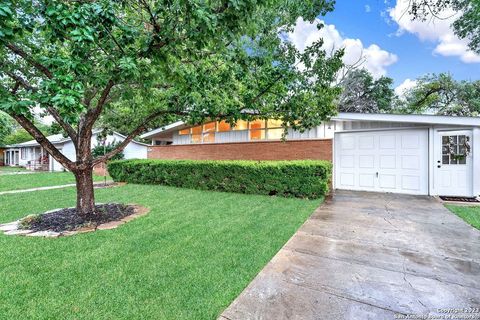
{"x": 187, "y": 259}
{"x": 8, "y": 170}
{"x": 471, "y": 214}
{"x": 37, "y": 179}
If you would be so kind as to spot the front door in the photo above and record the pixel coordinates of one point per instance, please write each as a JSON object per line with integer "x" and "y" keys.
{"x": 453, "y": 163}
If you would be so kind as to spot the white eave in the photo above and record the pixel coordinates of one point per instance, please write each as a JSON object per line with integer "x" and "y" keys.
{"x": 164, "y": 129}
{"x": 380, "y": 117}
{"x": 409, "y": 118}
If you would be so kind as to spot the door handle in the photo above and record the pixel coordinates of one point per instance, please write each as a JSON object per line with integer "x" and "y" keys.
{"x": 377, "y": 174}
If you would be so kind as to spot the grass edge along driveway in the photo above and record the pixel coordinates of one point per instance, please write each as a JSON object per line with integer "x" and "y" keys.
{"x": 470, "y": 214}
{"x": 188, "y": 258}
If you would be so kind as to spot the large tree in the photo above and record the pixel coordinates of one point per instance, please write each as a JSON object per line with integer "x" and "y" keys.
{"x": 467, "y": 16}
{"x": 362, "y": 93}
{"x": 153, "y": 60}
{"x": 443, "y": 95}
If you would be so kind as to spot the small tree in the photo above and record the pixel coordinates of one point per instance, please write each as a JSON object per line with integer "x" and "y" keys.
{"x": 155, "y": 60}
{"x": 362, "y": 93}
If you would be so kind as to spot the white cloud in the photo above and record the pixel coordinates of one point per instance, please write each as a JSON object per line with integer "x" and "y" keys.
{"x": 438, "y": 31}
{"x": 405, "y": 86}
{"x": 376, "y": 60}
{"x": 368, "y": 8}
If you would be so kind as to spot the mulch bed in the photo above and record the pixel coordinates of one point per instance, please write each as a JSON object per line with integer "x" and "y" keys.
{"x": 68, "y": 220}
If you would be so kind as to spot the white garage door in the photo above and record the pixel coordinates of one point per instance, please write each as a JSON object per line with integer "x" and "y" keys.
{"x": 386, "y": 161}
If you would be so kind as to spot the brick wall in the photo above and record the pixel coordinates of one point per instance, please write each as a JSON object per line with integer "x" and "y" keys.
{"x": 100, "y": 169}
{"x": 261, "y": 150}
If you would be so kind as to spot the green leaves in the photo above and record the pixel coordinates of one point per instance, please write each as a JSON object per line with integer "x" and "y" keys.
{"x": 364, "y": 94}
{"x": 443, "y": 95}
{"x": 193, "y": 59}
{"x": 301, "y": 178}
{"x": 7, "y": 26}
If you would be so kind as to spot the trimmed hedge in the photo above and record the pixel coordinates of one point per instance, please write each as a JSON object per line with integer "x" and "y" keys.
{"x": 301, "y": 179}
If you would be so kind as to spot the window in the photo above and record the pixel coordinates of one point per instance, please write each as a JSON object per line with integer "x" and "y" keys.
{"x": 23, "y": 153}
{"x": 275, "y": 134}
{"x": 455, "y": 149}
{"x": 209, "y": 132}
{"x": 197, "y": 134}
{"x": 241, "y": 125}
{"x": 223, "y": 126}
{"x": 275, "y": 130}
{"x": 257, "y": 130}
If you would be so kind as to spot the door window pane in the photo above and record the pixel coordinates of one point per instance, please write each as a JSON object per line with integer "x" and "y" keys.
{"x": 184, "y": 132}
{"x": 454, "y": 149}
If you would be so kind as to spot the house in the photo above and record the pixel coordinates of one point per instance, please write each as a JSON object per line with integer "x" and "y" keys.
{"x": 1, "y": 156}
{"x": 412, "y": 154}
{"x": 33, "y": 157}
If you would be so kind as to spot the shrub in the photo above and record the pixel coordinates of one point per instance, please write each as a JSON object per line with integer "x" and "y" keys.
{"x": 301, "y": 179}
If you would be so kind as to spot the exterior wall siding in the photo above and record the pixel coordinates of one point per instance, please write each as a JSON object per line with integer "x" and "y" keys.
{"x": 260, "y": 150}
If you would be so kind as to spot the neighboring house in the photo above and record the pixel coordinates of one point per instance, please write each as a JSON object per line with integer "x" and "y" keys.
{"x": 33, "y": 157}
{"x": 413, "y": 154}
{"x": 1, "y": 156}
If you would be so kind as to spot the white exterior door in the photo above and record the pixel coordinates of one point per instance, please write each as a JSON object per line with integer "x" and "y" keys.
{"x": 385, "y": 161}
{"x": 453, "y": 163}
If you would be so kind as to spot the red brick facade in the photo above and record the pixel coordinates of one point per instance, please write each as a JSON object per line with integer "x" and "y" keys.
{"x": 261, "y": 150}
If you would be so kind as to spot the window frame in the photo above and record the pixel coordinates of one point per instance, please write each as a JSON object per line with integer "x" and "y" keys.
{"x": 259, "y": 128}
{"x": 453, "y": 140}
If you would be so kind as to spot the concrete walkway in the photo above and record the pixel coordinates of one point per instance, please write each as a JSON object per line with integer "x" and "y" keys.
{"x": 369, "y": 256}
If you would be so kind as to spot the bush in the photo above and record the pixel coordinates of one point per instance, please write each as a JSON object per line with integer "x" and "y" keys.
{"x": 301, "y": 179}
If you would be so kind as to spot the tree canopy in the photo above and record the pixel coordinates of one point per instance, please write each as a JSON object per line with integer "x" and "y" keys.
{"x": 443, "y": 95}
{"x": 156, "y": 60}
{"x": 362, "y": 93}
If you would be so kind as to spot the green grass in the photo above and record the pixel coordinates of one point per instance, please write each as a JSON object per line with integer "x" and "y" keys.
{"x": 471, "y": 214}
{"x": 189, "y": 258}
{"x": 4, "y": 169}
{"x": 37, "y": 179}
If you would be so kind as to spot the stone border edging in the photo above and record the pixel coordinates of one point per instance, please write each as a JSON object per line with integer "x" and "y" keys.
{"x": 11, "y": 228}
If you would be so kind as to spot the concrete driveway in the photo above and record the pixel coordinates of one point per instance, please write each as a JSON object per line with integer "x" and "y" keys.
{"x": 369, "y": 256}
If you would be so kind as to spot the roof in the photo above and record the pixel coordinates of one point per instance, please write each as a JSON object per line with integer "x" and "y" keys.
{"x": 346, "y": 116}
{"x": 411, "y": 118}
{"x": 59, "y": 139}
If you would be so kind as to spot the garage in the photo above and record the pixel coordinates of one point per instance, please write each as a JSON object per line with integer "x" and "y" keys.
{"x": 382, "y": 161}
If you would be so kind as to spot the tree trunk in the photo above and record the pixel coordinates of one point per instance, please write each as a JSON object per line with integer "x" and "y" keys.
{"x": 85, "y": 193}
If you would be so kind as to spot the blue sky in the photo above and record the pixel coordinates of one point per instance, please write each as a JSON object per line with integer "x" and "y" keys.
{"x": 415, "y": 48}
